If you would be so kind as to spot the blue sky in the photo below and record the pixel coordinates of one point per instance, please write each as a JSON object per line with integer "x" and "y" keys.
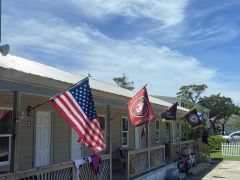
{"x": 166, "y": 44}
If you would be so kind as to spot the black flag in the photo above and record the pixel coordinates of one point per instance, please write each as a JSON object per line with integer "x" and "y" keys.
{"x": 193, "y": 118}
{"x": 170, "y": 113}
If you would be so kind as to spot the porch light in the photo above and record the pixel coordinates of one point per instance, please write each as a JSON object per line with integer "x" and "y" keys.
{"x": 29, "y": 110}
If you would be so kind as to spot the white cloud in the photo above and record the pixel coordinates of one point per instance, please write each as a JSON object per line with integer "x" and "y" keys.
{"x": 84, "y": 50}
{"x": 169, "y": 12}
{"x": 90, "y": 51}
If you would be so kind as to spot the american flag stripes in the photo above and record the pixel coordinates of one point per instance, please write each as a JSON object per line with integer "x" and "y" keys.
{"x": 77, "y": 107}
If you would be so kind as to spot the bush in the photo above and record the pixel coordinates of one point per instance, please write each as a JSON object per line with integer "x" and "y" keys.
{"x": 215, "y": 142}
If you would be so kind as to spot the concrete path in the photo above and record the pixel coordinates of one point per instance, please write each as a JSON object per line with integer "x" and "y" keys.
{"x": 225, "y": 170}
{"x": 219, "y": 170}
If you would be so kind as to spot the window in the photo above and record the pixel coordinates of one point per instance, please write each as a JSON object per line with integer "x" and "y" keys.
{"x": 157, "y": 130}
{"x": 177, "y": 131}
{"x": 5, "y": 136}
{"x": 124, "y": 131}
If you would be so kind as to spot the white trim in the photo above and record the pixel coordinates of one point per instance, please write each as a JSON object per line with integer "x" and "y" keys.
{"x": 124, "y": 117}
{"x": 6, "y": 108}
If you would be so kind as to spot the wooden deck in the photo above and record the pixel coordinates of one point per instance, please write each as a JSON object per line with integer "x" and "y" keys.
{"x": 137, "y": 163}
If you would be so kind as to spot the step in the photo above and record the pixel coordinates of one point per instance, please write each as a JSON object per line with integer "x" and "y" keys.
{"x": 199, "y": 168}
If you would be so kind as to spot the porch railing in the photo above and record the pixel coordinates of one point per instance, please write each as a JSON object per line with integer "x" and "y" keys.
{"x": 144, "y": 160}
{"x": 57, "y": 171}
{"x": 202, "y": 151}
{"x": 67, "y": 171}
{"x": 6, "y": 176}
{"x": 103, "y": 173}
{"x": 179, "y": 147}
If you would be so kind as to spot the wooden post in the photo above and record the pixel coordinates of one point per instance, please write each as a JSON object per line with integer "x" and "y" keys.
{"x": 74, "y": 172}
{"x": 148, "y": 147}
{"x": 127, "y": 166}
{"x": 14, "y": 153}
{"x": 109, "y": 137}
{"x": 147, "y": 134}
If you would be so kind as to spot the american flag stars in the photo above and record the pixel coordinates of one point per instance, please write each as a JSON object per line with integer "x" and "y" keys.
{"x": 83, "y": 97}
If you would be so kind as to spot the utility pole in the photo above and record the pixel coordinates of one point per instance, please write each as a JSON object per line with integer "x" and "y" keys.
{"x": 0, "y": 20}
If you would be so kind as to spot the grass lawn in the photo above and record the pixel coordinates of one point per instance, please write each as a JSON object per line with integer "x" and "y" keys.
{"x": 218, "y": 155}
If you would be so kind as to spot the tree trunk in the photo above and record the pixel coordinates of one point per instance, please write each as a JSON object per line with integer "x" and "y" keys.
{"x": 223, "y": 128}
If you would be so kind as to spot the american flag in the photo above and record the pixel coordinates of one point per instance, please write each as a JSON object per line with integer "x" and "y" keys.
{"x": 77, "y": 107}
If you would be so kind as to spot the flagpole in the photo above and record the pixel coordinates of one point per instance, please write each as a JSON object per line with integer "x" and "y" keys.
{"x": 30, "y": 108}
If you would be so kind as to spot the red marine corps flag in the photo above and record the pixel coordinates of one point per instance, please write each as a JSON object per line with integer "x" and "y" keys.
{"x": 140, "y": 109}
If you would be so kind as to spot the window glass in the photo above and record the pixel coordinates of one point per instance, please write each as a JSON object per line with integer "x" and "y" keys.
{"x": 101, "y": 120}
{"x": 157, "y": 136}
{"x": 124, "y": 126}
{"x": 124, "y": 138}
{"x": 5, "y": 149}
{"x": 5, "y": 121}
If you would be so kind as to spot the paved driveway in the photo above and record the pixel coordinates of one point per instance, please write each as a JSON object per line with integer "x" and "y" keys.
{"x": 225, "y": 170}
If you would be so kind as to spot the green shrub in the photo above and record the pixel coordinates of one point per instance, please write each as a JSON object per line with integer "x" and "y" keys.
{"x": 215, "y": 142}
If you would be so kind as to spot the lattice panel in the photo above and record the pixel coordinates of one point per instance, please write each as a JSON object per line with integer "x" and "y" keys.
{"x": 63, "y": 174}
{"x": 156, "y": 158}
{"x": 138, "y": 162}
{"x": 103, "y": 173}
{"x": 86, "y": 172}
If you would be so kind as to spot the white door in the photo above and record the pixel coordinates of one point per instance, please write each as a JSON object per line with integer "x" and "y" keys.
{"x": 76, "y": 146}
{"x": 43, "y": 138}
{"x": 137, "y": 138}
{"x": 174, "y": 137}
{"x": 140, "y": 137}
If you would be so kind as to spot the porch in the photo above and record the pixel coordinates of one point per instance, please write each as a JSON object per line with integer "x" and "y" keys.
{"x": 138, "y": 162}
{"x": 141, "y": 163}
